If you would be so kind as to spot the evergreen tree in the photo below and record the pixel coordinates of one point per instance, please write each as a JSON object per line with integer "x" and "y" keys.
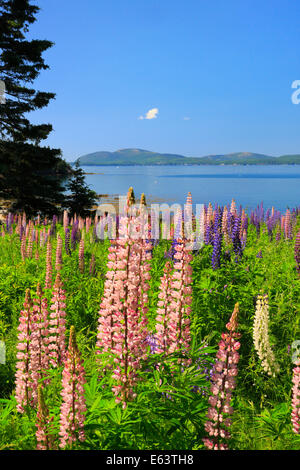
{"x": 81, "y": 197}
{"x": 31, "y": 176}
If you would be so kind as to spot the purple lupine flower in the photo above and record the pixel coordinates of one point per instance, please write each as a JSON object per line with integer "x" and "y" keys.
{"x": 261, "y": 212}
{"x": 243, "y": 239}
{"x": 259, "y": 254}
{"x": 74, "y": 234}
{"x": 67, "y": 241}
{"x": 297, "y": 252}
{"x": 256, "y": 223}
{"x": 244, "y": 224}
{"x": 22, "y": 230}
{"x": 177, "y": 233}
{"x": 168, "y": 254}
{"x": 278, "y": 236}
{"x": 206, "y": 368}
{"x": 209, "y": 233}
{"x": 151, "y": 340}
{"x": 270, "y": 226}
{"x": 9, "y": 222}
{"x": 230, "y": 223}
{"x": 237, "y": 247}
{"x": 217, "y": 241}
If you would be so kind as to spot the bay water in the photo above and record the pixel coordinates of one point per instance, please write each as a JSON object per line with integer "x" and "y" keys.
{"x": 249, "y": 185}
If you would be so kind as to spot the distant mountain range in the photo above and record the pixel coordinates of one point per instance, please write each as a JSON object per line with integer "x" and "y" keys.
{"x": 145, "y": 157}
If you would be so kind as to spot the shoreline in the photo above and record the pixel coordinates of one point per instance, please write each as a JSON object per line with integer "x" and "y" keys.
{"x": 183, "y": 164}
{"x": 113, "y": 200}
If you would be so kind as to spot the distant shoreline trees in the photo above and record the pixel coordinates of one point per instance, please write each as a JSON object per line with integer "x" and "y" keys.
{"x": 81, "y": 197}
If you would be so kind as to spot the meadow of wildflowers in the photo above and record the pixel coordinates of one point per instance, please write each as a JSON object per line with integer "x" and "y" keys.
{"x": 135, "y": 342}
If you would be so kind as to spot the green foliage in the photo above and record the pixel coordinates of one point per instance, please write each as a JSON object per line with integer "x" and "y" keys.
{"x": 169, "y": 411}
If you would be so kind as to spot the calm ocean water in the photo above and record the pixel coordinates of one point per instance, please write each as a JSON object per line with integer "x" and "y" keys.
{"x": 277, "y": 186}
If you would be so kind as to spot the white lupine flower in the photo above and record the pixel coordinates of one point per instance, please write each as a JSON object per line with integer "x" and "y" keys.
{"x": 261, "y": 336}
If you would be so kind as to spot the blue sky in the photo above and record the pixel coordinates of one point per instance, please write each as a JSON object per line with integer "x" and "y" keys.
{"x": 217, "y": 73}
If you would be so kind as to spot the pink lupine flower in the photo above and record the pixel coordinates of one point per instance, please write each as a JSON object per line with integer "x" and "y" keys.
{"x": 178, "y": 223}
{"x": 58, "y": 258}
{"x": 209, "y": 214}
{"x": 295, "y": 416}
{"x": 81, "y": 255}
{"x": 23, "y": 247}
{"x": 38, "y": 361}
{"x": 43, "y": 237}
{"x": 73, "y": 408}
{"x": 88, "y": 222}
{"x": 130, "y": 341}
{"x": 111, "y": 302}
{"x": 180, "y": 297}
{"x": 225, "y": 226}
{"x": 288, "y": 225}
{"x": 223, "y": 383}
{"x": 29, "y": 244}
{"x": 19, "y": 225}
{"x": 57, "y": 324}
{"x": 163, "y": 320}
{"x": 48, "y": 280}
{"x": 44, "y": 434}
{"x": 80, "y": 223}
{"x": 65, "y": 220}
{"x": 233, "y": 208}
{"x": 173, "y": 323}
{"x": 27, "y": 228}
{"x": 23, "y": 380}
{"x": 189, "y": 217}
{"x": 122, "y": 327}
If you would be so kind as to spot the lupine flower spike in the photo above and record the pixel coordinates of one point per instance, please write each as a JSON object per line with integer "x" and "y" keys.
{"x": 295, "y": 417}
{"x": 164, "y": 335}
{"x": 23, "y": 379}
{"x": 122, "y": 330}
{"x": 223, "y": 383}
{"x": 44, "y": 437}
{"x": 297, "y": 252}
{"x": 73, "y": 408}
{"x": 48, "y": 280}
{"x": 261, "y": 336}
{"x": 58, "y": 259}
{"x": 57, "y": 324}
{"x": 180, "y": 299}
{"x": 81, "y": 255}
{"x": 39, "y": 361}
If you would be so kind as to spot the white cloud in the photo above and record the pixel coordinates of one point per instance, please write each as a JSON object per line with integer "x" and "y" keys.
{"x": 186, "y": 118}
{"x": 151, "y": 114}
